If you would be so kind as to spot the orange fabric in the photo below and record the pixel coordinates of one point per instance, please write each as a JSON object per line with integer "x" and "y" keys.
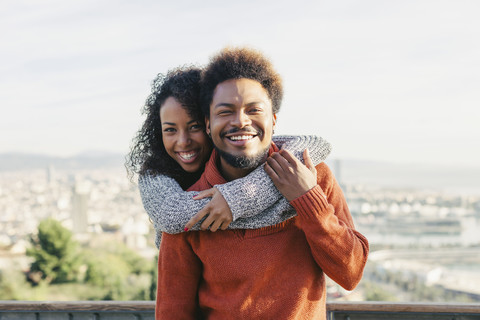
{"x": 269, "y": 273}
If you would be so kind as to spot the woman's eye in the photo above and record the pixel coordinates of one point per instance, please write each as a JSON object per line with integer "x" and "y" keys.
{"x": 197, "y": 127}
{"x": 169, "y": 130}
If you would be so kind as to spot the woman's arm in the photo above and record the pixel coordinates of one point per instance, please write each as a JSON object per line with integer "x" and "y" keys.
{"x": 256, "y": 196}
{"x": 167, "y": 204}
{"x": 170, "y": 208}
{"x": 242, "y": 195}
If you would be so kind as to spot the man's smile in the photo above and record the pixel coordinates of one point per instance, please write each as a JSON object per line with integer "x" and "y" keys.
{"x": 236, "y": 138}
{"x": 239, "y": 137}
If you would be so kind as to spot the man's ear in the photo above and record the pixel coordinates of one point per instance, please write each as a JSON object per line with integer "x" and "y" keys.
{"x": 207, "y": 126}
{"x": 274, "y": 119}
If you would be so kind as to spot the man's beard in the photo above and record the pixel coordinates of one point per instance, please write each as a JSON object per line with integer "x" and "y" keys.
{"x": 244, "y": 162}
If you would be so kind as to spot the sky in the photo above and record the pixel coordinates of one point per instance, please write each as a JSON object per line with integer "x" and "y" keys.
{"x": 395, "y": 81}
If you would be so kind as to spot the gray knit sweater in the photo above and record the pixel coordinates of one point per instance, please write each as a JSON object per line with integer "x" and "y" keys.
{"x": 254, "y": 200}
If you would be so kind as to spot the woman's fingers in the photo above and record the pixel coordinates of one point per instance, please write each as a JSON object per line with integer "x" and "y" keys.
{"x": 271, "y": 173}
{"x": 308, "y": 161}
{"x": 217, "y": 213}
{"x": 275, "y": 162}
{"x": 216, "y": 224}
{"x": 225, "y": 225}
{"x": 207, "y": 223}
{"x": 288, "y": 157}
{"x": 291, "y": 177}
{"x": 205, "y": 194}
{"x": 216, "y": 220}
{"x": 196, "y": 218}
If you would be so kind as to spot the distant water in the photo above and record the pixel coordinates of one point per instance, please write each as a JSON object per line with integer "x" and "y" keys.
{"x": 470, "y": 235}
{"x": 26, "y": 161}
{"x": 460, "y": 180}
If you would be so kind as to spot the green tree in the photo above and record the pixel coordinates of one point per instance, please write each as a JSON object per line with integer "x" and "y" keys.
{"x": 55, "y": 253}
{"x": 374, "y": 292}
{"x": 118, "y": 270}
{"x": 13, "y": 285}
{"x": 109, "y": 272}
{"x": 137, "y": 264}
{"x": 153, "y": 284}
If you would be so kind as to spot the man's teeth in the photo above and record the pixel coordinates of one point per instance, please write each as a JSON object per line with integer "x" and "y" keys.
{"x": 187, "y": 155}
{"x": 236, "y": 138}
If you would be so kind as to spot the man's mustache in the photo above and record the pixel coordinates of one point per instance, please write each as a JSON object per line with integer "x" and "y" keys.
{"x": 243, "y": 130}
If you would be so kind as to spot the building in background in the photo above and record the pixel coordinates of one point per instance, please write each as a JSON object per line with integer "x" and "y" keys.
{"x": 80, "y": 197}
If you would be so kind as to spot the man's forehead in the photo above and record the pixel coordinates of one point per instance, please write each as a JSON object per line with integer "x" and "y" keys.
{"x": 240, "y": 91}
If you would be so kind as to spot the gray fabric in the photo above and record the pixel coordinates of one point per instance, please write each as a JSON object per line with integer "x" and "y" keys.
{"x": 248, "y": 197}
{"x": 254, "y": 200}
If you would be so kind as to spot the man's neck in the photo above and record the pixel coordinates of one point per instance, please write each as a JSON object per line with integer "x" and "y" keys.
{"x": 231, "y": 173}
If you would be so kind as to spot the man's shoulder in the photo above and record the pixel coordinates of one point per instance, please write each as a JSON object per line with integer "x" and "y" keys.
{"x": 325, "y": 176}
{"x": 324, "y": 169}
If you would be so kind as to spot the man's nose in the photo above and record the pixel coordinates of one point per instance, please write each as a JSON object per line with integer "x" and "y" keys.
{"x": 241, "y": 120}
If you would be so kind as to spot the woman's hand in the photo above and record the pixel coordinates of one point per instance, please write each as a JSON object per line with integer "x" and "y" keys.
{"x": 291, "y": 177}
{"x": 218, "y": 211}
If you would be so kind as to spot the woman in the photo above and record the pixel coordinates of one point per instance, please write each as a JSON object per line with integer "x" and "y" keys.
{"x": 169, "y": 154}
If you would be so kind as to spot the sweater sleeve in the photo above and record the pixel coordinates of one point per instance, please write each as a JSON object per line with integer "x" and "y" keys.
{"x": 167, "y": 205}
{"x": 324, "y": 217}
{"x": 179, "y": 273}
{"x": 242, "y": 195}
{"x": 170, "y": 208}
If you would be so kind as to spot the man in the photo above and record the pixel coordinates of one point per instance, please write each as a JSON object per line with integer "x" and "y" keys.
{"x": 275, "y": 272}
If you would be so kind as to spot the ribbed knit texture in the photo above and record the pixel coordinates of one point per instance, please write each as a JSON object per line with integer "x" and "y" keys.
{"x": 274, "y": 272}
{"x": 254, "y": 200}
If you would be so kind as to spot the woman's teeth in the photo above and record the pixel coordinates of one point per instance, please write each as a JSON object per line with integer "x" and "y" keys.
{"x": 187, "y": 155}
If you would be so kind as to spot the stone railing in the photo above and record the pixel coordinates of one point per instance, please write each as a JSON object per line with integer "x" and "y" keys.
{"x": 141, "y": 310}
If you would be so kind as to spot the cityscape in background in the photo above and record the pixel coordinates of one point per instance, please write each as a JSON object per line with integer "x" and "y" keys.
{"x": 420, "y": 237}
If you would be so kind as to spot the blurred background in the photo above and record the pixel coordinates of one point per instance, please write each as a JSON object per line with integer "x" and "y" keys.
{"x": 394, "y": 86}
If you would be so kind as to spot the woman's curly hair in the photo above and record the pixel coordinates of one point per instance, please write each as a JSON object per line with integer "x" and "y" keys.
{"x": 237, "y": 63}
{"x": 147, "y": 154}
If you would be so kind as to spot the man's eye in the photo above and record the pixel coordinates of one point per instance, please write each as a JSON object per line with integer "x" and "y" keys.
{"x": 224, "y": 112}
{"x": 255, "y": 110}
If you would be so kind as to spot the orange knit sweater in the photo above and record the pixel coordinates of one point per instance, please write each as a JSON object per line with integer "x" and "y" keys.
{"x": 274, "y": 272}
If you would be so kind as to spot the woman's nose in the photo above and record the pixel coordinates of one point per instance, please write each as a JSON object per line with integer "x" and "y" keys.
{"x": 184, "y": 139}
